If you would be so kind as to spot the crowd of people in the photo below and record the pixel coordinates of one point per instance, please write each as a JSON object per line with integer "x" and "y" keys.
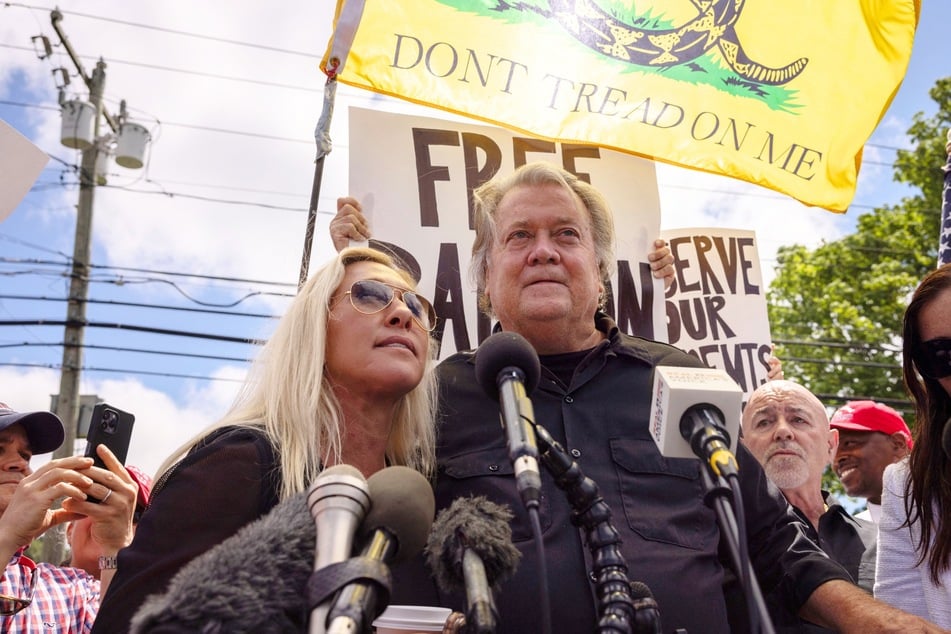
{"x": 349, "y": 377}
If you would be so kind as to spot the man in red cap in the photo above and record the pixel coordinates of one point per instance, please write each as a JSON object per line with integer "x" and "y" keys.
{"x": 871, "y": 437}
{"x": 40, "y": 597}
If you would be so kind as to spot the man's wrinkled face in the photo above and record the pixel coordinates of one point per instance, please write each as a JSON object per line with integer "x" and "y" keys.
{"x": 786, "y": 428}
{"x": 15, "y": 454}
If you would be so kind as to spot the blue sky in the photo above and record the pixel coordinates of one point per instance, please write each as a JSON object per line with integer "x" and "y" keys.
{"x": 213, "y": 225}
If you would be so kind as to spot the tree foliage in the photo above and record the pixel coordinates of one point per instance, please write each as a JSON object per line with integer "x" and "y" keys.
{"x": 835, "y": 311}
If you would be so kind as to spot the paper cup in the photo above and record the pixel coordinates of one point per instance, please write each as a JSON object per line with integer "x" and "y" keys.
{"x": 411, "y": 619}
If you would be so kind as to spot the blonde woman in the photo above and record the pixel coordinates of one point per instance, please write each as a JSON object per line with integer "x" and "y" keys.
{"x": 345, "y": 379}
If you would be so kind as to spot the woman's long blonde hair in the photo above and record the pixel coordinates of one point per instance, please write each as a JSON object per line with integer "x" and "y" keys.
{"x": 288, "y": 396}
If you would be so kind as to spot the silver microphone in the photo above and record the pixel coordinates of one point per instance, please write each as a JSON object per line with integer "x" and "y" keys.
{"x": 338, "y": 500}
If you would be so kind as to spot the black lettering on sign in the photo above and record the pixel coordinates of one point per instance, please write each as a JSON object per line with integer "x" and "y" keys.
{"x": 521, "y": 146}
{"x": 448, "y": 298}
{"x": 427, "y": 174}
{"x": 730, "y": 253}
{"x": 478, "y": 172}
{"x": 634, "y": 314}
{"x": 739, "y": 360}
{"x": 699, "y": 317}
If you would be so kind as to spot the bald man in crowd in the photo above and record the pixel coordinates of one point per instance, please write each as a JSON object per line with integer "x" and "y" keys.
{"x": 787, "y": 429}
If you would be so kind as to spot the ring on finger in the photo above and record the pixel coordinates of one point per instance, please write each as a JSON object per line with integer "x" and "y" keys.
{"x": 106, "y": 496}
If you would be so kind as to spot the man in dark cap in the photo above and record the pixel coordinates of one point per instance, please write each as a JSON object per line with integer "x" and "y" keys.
{"x": 38, "y": 596}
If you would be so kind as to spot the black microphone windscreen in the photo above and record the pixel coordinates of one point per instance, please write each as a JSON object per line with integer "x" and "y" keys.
{"x": 640, "y": 590}
{"x": 254, "y": 581}
{"x": 477, "y": 524}
{"x": 503, "y": 350}
{"x": 403, "y": 503}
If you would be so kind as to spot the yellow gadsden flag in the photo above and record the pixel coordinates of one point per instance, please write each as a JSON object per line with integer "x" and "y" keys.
{"x": 782, "y": 93}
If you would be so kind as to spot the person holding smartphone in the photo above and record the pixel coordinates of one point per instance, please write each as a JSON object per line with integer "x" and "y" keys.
{"x": 84, "y": 551}
{"x": 37, "y": 596}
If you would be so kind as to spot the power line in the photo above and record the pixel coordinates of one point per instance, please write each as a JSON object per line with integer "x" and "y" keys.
{"x": 151, "y": 27}
{"x": 189, "y": 126}
{"x": 110, "y": 302}
{"x": 854, "y": 345}
{"x": 87, "y": 346}
{"x": 217, "y": 278}
{"x": 183, "y": 71}
{"x": 84, "y": 369}
{"x": 133, "y": 328}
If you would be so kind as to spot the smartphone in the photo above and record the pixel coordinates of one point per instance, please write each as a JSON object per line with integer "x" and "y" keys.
{"x": 112, "y": 427}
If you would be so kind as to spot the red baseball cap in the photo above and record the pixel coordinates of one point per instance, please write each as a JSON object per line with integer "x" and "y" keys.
{"x": 871, "y": 416}
{"x": 145, "y": 487}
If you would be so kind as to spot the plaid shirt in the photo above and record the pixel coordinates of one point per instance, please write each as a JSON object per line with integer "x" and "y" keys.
{"x": 66, "y": 599}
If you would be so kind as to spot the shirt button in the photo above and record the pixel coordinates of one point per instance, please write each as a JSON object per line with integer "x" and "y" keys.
{"x": 593, "y": 577}
{"x": 493, "y": 467}
{"x": 576, "y": 453}
{"x": 568, "y": 399}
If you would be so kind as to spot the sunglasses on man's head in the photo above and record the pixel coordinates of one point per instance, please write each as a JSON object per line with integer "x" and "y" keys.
{"x": 11, "y": 605}
{"x": 372, "y": 296}
{"x": 933, "y": 358}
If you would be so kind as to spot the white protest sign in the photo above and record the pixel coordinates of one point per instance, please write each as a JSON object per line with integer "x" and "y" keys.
{"x": 413, "y": 176}
{"x": 20, "y": 165}
{"x": 716, "y": 306}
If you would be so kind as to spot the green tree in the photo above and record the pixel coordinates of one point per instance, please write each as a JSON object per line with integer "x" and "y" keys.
{"x": 835, "y": 311}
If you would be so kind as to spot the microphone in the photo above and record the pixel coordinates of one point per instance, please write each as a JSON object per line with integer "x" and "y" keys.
{"x": 695, "y": 412}
{"x": 338, "y": 500}
{"x": 646, "y": 611}
{"x": 470, "y": 548}
{"x": 395, "y": 530}
{"x": 508, "y": 370}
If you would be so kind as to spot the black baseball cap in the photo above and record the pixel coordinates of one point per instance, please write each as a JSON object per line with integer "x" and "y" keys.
{"x": 44, "y": 430}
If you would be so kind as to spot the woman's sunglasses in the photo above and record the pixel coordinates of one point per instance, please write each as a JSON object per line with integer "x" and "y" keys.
{"x": 372, "y": 296}
{"x": 933, "y": 358}
{"x": 11, "y": 605}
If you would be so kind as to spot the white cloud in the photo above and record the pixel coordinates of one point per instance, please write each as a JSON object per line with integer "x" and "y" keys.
{"x": 161, "y": 424}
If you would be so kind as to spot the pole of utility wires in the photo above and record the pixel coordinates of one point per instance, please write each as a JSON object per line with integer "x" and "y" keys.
{"x": 67, "y": 407}
{"x": 67, "y": 404}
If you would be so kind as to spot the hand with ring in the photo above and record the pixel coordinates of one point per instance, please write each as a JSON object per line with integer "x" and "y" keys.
{"x": 112, "y": 515}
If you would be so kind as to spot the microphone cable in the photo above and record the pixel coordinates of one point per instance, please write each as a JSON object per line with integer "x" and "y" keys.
{"x": 545, "y": 603}
{"x": 718, "y": 496}
{"x": 616, "y": 609}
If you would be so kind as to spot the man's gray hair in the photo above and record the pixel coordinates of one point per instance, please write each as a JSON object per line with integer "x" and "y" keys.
{"x": 486, "y": 200}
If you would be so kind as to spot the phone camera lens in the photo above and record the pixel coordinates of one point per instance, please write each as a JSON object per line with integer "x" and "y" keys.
{"x": 109, "y": 420}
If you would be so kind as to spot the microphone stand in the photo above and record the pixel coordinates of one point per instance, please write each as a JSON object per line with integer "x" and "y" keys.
{"x": 618, "y": 611}
{"x": 718, "y": 495}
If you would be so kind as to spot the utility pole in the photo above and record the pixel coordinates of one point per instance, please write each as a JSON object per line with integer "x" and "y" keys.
{"x": 67, "y": 406}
